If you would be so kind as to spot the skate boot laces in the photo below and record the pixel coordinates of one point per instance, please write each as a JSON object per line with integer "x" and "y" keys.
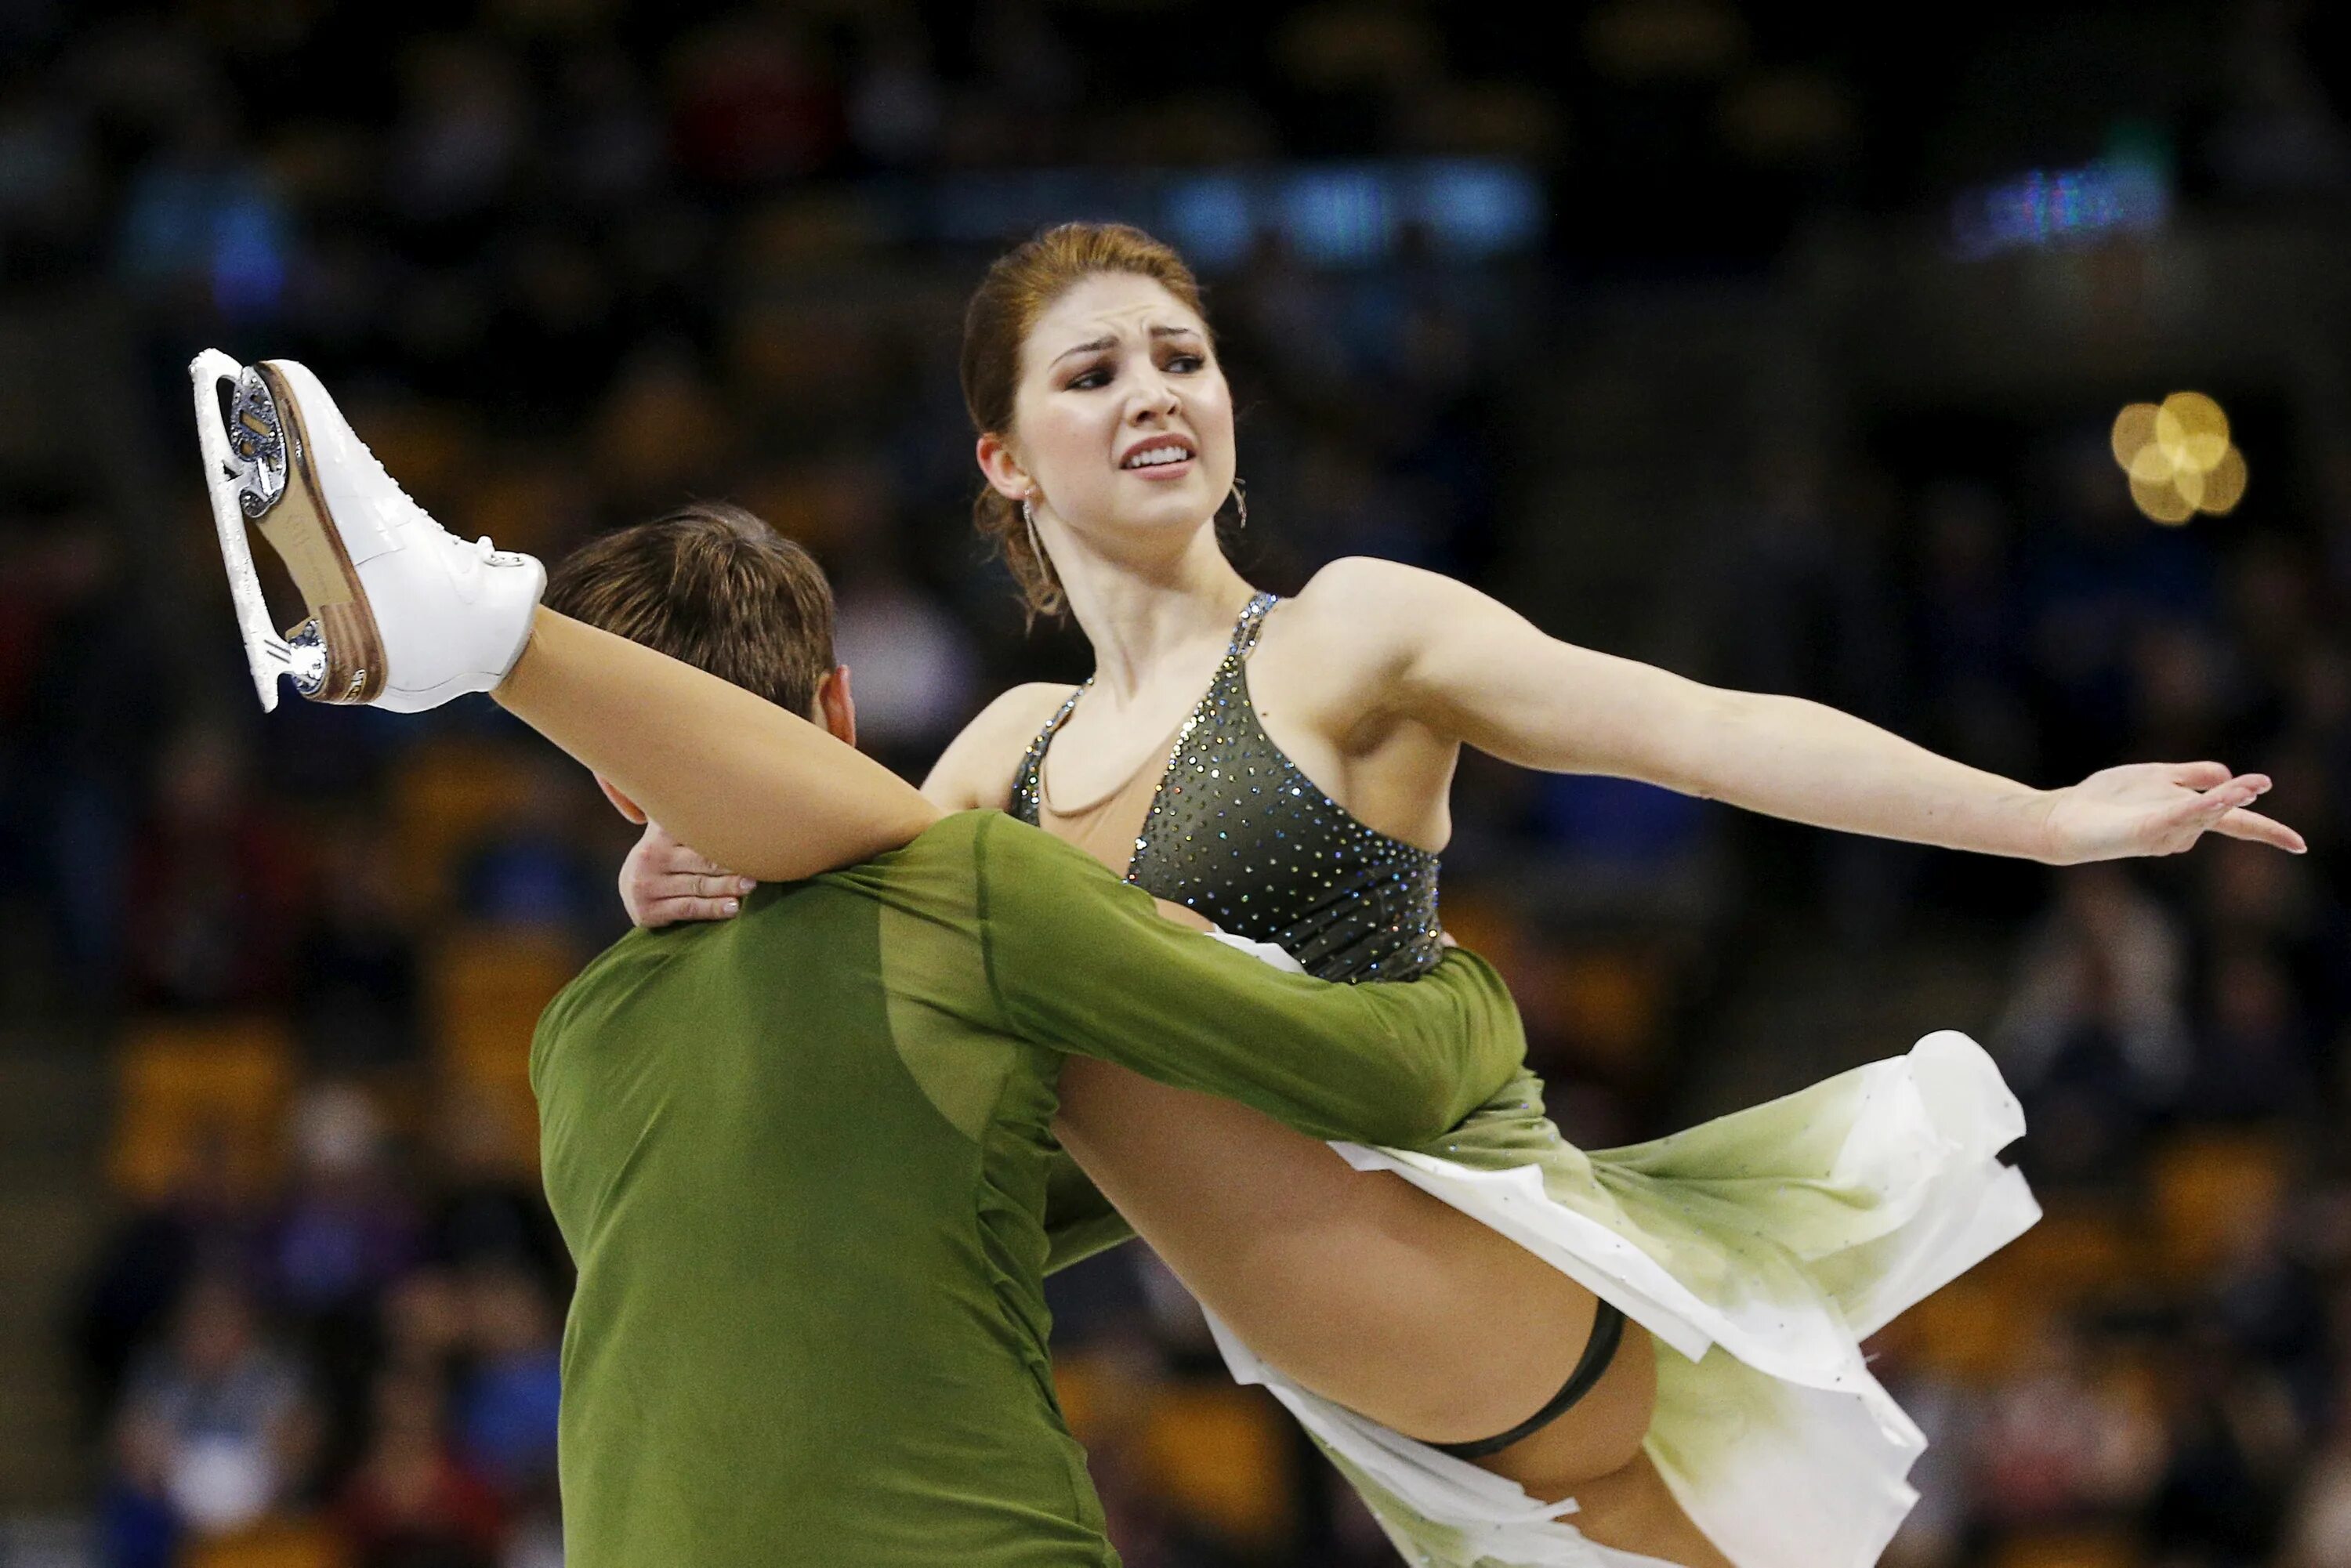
{"x": 406, "y": 510}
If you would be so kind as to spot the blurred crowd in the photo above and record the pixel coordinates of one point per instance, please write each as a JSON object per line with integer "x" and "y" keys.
{"x": 2161, "y": 1373}
{"x": 375, "y": 1339}
{"x": 566, "y": 263}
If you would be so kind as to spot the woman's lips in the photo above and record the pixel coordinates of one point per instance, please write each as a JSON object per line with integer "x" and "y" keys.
{"x": 1162, "y": 471}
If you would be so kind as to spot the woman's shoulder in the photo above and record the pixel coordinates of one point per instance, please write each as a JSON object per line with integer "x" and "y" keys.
{"x": 1369, "y": 614}
{"x": 976, "y": 769}
{"x": 1353, "y": 583}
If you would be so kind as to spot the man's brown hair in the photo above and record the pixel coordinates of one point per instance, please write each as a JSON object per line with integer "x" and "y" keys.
{"x": 713, "y": 585}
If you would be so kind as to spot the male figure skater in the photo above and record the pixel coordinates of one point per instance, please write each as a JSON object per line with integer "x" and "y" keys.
{"x": 801, "y": 1158}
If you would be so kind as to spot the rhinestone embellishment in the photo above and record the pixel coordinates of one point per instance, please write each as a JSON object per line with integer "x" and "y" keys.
{"x": 1238, "y": 832}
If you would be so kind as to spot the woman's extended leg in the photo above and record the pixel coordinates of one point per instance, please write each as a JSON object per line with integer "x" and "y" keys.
{"x": 1360, "y": 1286}
{"x": 1380, "y": 1297}
{"x": 405, "y": 616}
{"x": 760, "y": 789}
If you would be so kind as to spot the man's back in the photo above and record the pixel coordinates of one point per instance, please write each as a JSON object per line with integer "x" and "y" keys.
{"x": 802, "y": 1180}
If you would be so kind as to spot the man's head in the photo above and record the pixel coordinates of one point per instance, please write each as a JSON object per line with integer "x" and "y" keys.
{"x": 712, "y": 585}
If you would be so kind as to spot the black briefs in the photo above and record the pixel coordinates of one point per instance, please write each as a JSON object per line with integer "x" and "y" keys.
{"x": 1607, "y": 1334}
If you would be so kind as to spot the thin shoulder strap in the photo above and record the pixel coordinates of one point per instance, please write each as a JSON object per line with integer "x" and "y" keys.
{"x": 1247, "y": 628}
{"x": 1061, "y": 717}
{"x": 1029, "y": 782}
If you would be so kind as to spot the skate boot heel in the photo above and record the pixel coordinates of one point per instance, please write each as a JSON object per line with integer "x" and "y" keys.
{"x": 260, "y": 470}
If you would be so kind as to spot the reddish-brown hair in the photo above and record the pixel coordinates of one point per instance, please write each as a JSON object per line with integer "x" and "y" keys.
{"x": 1020, "y": 287}
{"x": 714, "y": 586}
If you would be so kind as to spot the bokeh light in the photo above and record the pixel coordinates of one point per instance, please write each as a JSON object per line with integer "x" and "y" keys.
{"x": 2224, "y": 487}
{"x": 2180, "y": 458}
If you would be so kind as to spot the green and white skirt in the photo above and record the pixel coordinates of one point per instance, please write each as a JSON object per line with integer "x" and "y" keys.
{"x": 1758, "y": 1249}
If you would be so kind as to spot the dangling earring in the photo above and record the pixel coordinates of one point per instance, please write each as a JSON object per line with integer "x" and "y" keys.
{"x": 1028, "y": 516}
{"x": 1241, "y": 502}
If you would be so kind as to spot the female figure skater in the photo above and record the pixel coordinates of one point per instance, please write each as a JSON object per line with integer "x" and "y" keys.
{"x": 1283, "y": 771}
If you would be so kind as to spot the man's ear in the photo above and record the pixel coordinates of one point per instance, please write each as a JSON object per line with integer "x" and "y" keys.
{"x": 834, "y": 707}
{"x": 621, "y": 803}
{"x": 1002, "y": 469}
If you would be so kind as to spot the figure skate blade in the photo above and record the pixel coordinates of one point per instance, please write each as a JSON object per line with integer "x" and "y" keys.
{"x": 248, "y": 464}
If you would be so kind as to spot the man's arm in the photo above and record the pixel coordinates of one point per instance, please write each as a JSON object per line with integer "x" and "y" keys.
{"x": 1082, "y": 962}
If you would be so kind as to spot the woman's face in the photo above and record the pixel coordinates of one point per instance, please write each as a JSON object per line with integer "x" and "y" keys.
{"x": 1123, "y": 420}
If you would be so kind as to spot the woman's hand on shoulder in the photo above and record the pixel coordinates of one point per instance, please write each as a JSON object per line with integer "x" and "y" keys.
{"x": 975, "y": 772}
{"x": 667, "y": 883}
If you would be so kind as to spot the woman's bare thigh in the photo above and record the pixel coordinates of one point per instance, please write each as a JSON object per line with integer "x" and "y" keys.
{"x": 1357, "y": 1284}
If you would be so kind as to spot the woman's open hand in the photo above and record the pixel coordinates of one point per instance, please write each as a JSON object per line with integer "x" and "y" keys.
{"x": 2158, "y": 808}
{"x": 664, "y": 881}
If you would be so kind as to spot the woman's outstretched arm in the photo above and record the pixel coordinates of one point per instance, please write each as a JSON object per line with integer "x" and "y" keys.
{"x": 758, "y": 789}
{"x": 1475, "y": 670}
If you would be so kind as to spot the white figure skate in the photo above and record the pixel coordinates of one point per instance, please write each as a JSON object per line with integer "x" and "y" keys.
{"x": 403, "y": 614}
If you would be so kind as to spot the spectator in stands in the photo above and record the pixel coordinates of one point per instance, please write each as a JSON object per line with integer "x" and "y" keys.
{"x": 2318, "y": 1529}
{"x": 2254, "y": 1054}
{"x": 344, "y": 1231}
{"x": 2232, "y": 1439}
{"x": 412, "y": 1503}
{"x": 341, "y": 1235}
{"x": 202, "y": 1227}
{"x": 215, "y": 1431}
{"x": 356, "y": 986}
{"x": 2063, "y": 1441}
{"x": 76, "y": 690}
{"x": 485, "y": 1206}
{"x": 2095, "y": 1038}
{"x": 533, "y": 870}
{"x": 213, "y": 884}
{"x": 505, "y": 1402}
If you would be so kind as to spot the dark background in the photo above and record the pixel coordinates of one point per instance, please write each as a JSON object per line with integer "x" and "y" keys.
{"x": 1773, "y": 346}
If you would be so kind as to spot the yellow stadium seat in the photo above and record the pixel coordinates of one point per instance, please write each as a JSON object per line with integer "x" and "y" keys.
{"x": 2090, "y": 1548}
{"x": 446, "y": 796}
{"x": 1218, "y": 1454}
{"x": 2213, "y": 1189}
{"x": 1611, "y": 1003}
{"x": 187, "y": 1091}
{"x": 2073, "y": 1254}
{"x": 523, "y": 503}
{"x": 431, "y": 446}
{"x": 487, "y": 986}
{"x": 1106, "y": 1393}
{"x": 1486, "y": 926}
{"x": 272, "y": 1544}
{"x": 1221, "y": 1455}
{"x": 1973, "y": 1330}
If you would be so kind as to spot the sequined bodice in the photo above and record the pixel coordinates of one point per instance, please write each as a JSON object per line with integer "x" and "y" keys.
{"x": 1238, "y": 832}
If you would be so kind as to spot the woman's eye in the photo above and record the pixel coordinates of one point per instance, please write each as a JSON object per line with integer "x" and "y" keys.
{"x": 1187, "y": 362}
{"x": 1097, "y": 377}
